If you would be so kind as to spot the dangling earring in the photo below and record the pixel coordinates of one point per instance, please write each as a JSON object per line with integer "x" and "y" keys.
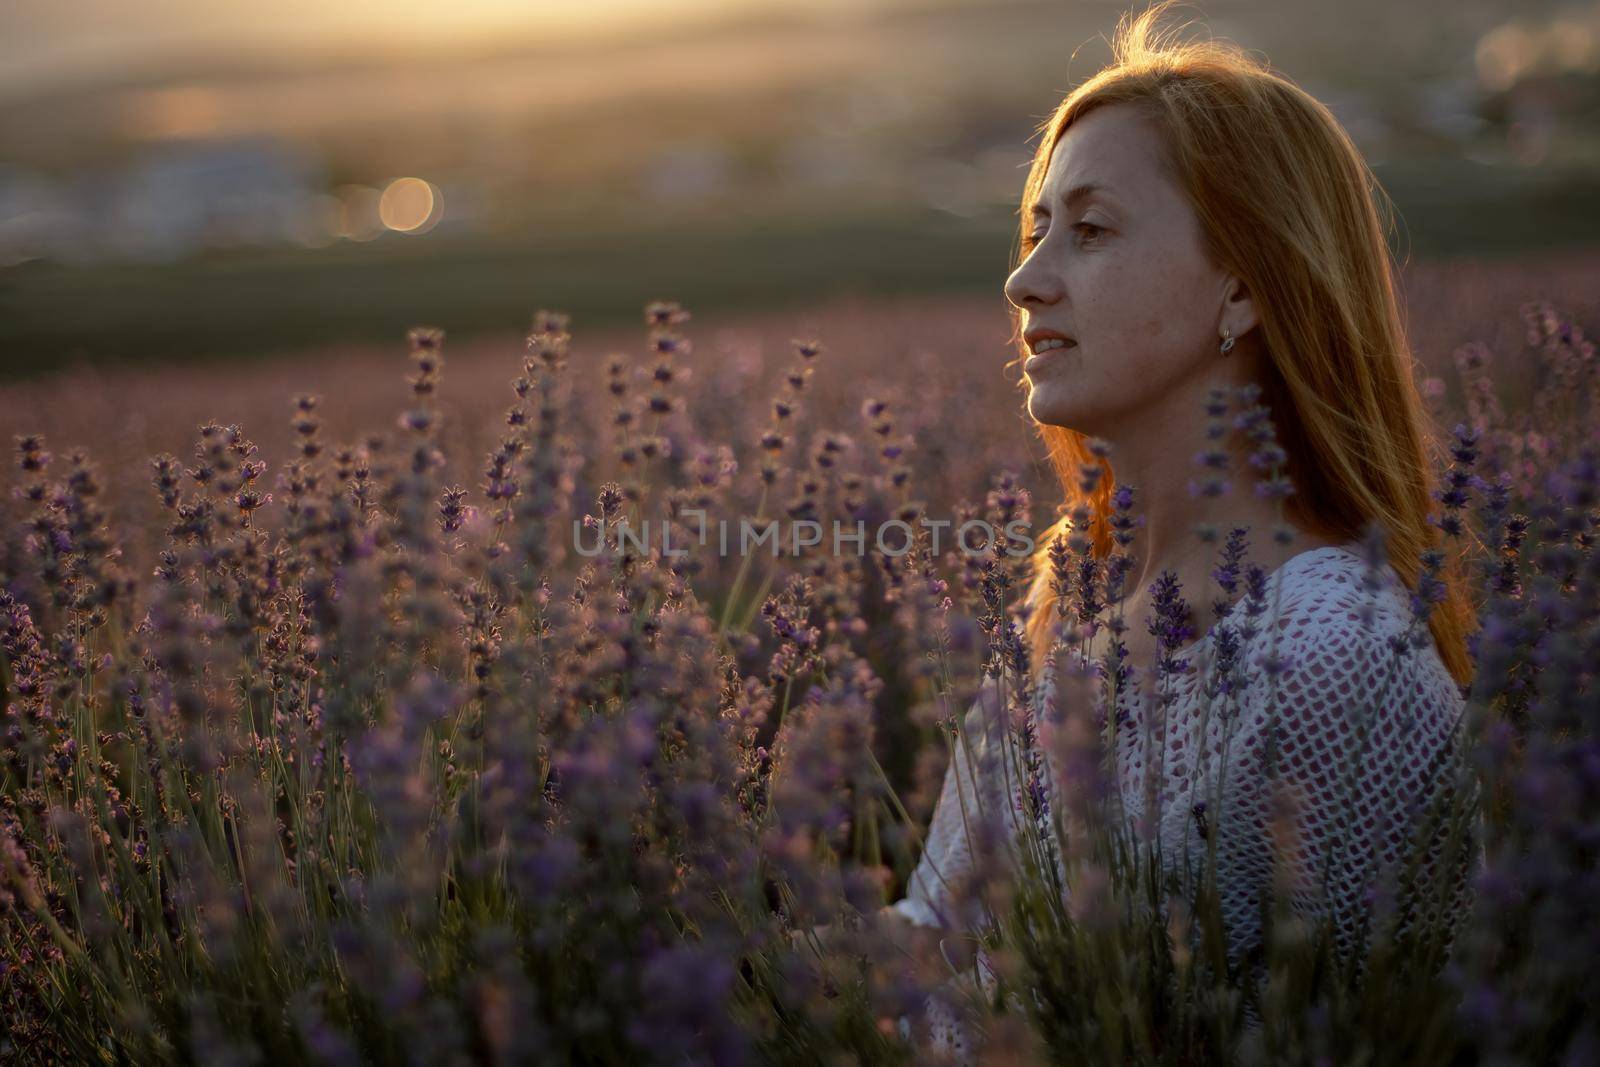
{"x": 1227, "y": 341}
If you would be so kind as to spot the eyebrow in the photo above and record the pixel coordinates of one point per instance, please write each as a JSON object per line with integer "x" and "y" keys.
{"x": 1078, "y": 192}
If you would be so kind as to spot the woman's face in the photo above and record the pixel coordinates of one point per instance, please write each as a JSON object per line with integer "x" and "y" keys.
{"x": 1117, "y": 265}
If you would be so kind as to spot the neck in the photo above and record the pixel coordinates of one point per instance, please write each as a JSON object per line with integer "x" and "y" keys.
{"x": 1155, "y": 453}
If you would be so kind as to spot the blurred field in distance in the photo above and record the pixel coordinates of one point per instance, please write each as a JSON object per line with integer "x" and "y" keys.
{"x": 227, "y": 195}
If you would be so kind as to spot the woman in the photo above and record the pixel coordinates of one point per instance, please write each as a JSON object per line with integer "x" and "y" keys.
{"x": 1192, "y": 222}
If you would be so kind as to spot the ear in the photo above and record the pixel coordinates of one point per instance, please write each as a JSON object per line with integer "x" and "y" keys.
{"x": 1238, "y": 311}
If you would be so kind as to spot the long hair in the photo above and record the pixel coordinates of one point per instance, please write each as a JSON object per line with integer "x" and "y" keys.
{"x": 1287, "y": 204}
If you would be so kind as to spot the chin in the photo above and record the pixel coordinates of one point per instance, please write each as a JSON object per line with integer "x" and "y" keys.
{"x": 1048, "y": 409}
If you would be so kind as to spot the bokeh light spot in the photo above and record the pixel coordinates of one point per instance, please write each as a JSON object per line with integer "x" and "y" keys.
{"x": 410, "y": 205}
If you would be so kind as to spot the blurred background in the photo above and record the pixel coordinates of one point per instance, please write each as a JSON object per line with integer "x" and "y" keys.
{"x": 186, "y": 180}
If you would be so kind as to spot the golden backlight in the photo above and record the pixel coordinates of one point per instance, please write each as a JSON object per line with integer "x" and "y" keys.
{"x": 45, "y": 40}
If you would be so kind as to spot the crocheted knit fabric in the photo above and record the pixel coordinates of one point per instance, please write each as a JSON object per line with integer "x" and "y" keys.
{"x": 1334, "y": 618}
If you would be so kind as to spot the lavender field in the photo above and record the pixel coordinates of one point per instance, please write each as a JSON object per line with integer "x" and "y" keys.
{"x": 341, "y": 724}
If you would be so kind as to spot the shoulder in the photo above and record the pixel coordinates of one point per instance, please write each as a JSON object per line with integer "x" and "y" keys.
{"x": 1330, "y": 589}
{"x": 1345, "y": 649}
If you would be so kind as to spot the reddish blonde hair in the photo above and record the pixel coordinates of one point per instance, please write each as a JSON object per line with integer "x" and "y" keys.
{"x": 1288, "y": 205}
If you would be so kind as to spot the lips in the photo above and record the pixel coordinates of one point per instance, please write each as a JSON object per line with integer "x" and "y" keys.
{"x": 1038, "y": 360}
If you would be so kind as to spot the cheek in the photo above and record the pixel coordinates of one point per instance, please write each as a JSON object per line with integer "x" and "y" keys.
{"x": 1146, "y": 301}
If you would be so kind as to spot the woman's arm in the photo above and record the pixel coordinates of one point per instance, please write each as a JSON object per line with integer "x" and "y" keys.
{"x": 946, "y": 862}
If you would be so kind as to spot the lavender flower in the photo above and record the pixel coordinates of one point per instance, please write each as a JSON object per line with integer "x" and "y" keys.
{"x": 1170, "y": 625}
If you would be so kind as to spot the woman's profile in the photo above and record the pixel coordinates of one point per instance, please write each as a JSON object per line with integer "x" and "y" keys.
{"x": 1195, "y": 225}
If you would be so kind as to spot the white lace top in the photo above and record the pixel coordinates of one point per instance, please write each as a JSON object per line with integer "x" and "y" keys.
{"x": 1337, "y": 672}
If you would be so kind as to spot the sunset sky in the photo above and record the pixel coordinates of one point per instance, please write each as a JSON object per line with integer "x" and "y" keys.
{"x": 47, "y": 41}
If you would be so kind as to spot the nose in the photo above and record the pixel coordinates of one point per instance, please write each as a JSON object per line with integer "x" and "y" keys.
{"x": 1032, "y": 283}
